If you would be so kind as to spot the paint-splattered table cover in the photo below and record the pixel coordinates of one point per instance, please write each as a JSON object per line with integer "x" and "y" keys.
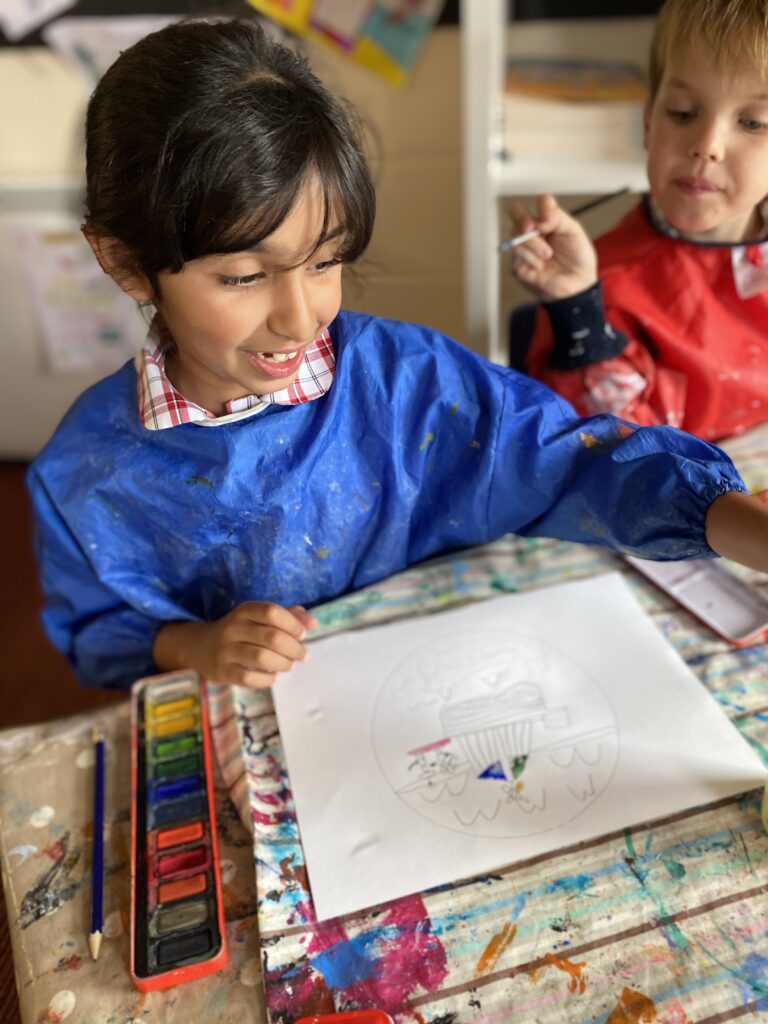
{"x": 660, "y": 922}
{"x": 46, "y": 820}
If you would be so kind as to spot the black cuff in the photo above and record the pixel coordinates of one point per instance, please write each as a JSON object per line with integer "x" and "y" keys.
{"x": 582, "y": 335}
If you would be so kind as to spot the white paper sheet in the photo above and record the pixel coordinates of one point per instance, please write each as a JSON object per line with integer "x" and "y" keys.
{"x": 435, "y": 749}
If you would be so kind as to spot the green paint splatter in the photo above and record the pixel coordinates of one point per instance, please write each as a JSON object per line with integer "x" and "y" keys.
{"x": 454, "y": 408}
{"x": 427, "y": 440}
{"x": 518, "y": 766}
{"x": 674, "y": 936}
{"x": 674, "y": 868}
{"x": 200, "y": 480}
{"x": 504, "y": 585}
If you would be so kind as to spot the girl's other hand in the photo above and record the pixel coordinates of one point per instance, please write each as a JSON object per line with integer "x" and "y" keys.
{"x": 249, "y": 646}
{"x": 561, "y": 262}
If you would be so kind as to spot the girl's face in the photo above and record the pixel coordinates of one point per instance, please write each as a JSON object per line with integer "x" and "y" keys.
{"x": 242, "y": 321}
{"x": 707, "y": 141}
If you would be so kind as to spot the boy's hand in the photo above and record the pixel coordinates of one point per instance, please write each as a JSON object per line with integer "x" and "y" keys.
{"x": 559, "y": 263}
{"x": 248, "y": 646}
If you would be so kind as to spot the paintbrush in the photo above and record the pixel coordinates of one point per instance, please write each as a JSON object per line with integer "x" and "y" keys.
{"x": 512, "y": 243}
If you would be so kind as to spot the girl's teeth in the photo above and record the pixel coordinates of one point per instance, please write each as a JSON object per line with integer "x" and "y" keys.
{"x": 277, "y": 357}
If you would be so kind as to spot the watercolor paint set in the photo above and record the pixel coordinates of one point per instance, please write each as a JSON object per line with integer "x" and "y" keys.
{"x": 177, "y": 915}
{"x": 708, "y": 589}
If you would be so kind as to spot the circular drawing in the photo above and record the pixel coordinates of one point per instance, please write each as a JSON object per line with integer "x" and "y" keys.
{"x": 491, "y": 733}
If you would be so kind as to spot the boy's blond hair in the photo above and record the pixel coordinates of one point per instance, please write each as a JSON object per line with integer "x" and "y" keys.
{"x": 735, "y": 31}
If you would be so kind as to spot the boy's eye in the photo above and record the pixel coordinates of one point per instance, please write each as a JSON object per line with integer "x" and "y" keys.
{"x": 241, "y": 282}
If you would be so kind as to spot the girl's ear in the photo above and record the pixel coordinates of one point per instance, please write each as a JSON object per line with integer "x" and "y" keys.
{"x": 115, "y": 259}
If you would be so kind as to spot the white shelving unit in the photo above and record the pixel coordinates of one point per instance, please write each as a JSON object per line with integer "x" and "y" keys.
{"x": 490, "y": 176}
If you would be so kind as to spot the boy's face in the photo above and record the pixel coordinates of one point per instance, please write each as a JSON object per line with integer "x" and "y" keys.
{"x": 707, "y": 141}
{"x": 242, "y": 321}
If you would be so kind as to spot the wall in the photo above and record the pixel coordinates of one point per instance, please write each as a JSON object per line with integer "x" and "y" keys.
{"x": 413, "y": 268}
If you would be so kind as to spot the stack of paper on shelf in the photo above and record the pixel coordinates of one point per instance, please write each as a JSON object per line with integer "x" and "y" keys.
{"x": 579, "y": 109}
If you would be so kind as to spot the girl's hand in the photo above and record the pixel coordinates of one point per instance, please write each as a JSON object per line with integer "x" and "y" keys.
{"x": 737, "y": 528}
{"x": 248, "y": 646}
{"x": 562, "y": 261}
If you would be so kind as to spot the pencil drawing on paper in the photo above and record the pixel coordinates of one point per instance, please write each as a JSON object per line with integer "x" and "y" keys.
{"x": 492, "y": 733}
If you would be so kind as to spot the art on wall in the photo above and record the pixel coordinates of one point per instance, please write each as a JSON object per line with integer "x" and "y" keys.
{"x": 384, "y": 36}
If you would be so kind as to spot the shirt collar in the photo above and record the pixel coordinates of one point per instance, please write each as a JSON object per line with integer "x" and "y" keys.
{"x": 749, "y": 260}
{"x": 162, "y": 406}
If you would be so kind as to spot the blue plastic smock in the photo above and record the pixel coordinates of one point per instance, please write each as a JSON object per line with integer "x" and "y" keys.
{"x": 419, "y": 447}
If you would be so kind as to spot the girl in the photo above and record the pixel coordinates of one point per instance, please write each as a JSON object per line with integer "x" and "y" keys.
{"x": 266, "y": 451}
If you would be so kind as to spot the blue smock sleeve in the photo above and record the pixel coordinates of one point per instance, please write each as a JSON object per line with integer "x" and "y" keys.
{"x": 640, "y": 490}
{"x": 107, "y": 642}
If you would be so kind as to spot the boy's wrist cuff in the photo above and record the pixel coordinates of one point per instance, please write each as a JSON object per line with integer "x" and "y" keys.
{"x": 582, "y": 335}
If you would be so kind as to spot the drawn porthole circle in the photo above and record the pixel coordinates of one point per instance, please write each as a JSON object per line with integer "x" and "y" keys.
{"x": 491, "y": 733}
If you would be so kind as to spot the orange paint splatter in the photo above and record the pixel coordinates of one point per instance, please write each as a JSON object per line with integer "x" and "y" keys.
{"x": 495, "y": 948}
{"x": 575, "y": 981}
{"x": 589, "y": 440}
{"x": 632, "y": 1008}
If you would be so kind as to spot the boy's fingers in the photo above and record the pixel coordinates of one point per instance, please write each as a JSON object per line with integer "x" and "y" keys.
{"x": 547, "y": 206}
{"x": 522, "y": 219}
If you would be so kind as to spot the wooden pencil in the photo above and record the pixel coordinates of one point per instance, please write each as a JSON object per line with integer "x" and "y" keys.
{"x": 97, "y": 868}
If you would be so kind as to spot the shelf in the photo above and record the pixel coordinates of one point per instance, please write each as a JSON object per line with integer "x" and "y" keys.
{"x": 528, "y": 176}
{"x": 489, "y": 37}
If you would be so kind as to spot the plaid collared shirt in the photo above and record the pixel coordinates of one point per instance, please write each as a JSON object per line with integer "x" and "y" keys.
{"x": 161, "y": 405}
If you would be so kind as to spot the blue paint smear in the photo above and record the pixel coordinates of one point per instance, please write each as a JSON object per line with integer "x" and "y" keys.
{"x": 493, "y": 771}
{"x": 348, "y": 962}
{"x": 754, "y": 974}
{"x": 572, "y": 883}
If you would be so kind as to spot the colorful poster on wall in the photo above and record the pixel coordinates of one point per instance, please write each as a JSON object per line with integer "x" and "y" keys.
{"x": 382, "y": 35}
{"x": 86, "y": 324}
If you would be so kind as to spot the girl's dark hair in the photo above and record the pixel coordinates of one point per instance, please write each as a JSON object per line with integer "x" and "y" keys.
{"x": 199, "y": 139}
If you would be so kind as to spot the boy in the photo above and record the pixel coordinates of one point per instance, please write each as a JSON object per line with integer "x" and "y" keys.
{"x": 676, "y": 331}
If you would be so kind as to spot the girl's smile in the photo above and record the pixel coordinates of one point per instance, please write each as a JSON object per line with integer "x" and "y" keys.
{"x": 277, "y": 365}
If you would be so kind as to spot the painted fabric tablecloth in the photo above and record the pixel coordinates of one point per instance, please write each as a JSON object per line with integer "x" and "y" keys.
{"x": 662, "y": 922}
{"x": 46, "y": 821}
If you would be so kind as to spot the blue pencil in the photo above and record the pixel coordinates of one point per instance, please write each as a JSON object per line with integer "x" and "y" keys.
{"x": 97, "y": 871}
